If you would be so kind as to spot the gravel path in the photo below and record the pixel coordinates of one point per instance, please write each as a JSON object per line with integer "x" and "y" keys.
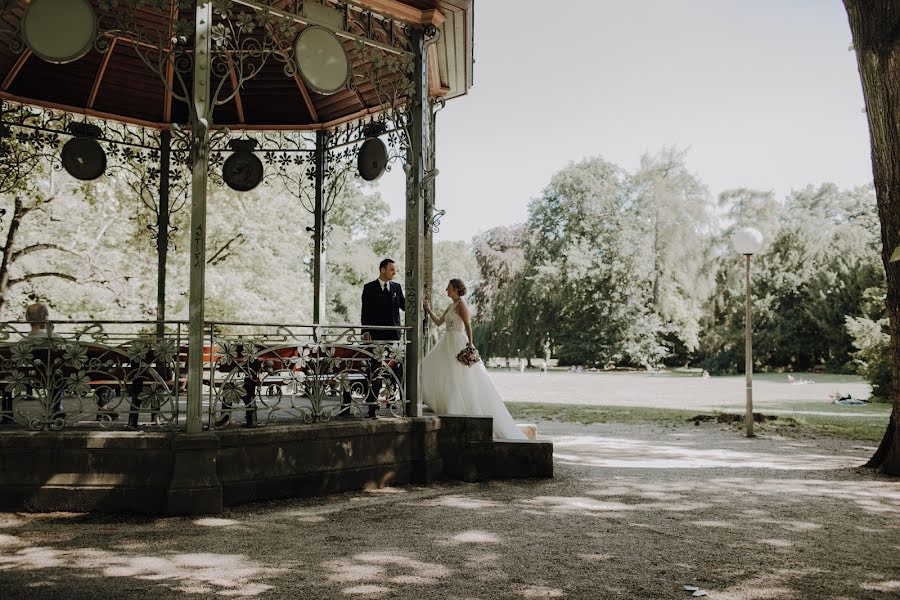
{"x": 633, "y": 512}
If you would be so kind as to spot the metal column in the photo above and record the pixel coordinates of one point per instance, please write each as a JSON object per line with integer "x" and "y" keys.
{"x": 319, "y": 232}
{"x": 415, "y": 223}
{"x": 428, "y": 251}
{"x": 200, "y": 159}
{"x": 162, "y": 230}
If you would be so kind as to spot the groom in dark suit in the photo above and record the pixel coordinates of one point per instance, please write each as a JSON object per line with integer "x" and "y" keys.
{"x": 382, "y": 301}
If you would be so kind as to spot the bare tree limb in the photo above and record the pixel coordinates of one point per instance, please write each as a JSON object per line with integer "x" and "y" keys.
{"x": 31, "y": 276}
{"x": 24, "y": 210}
{"x": 221, "y": 254}
{"x": 37, "y": 247}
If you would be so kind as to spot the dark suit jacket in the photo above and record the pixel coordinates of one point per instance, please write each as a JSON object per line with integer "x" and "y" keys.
{"x": 382, "y": 308}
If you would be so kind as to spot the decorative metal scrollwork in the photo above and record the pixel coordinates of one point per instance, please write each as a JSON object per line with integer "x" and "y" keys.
{"x": 295, "y": 372}
{"x": 245, "y": 35}
{"x": 72, "y": 374}
{"x": 30, "y": 136}
{"x": 110, "y": 375}
{"x": 436, "y": 220}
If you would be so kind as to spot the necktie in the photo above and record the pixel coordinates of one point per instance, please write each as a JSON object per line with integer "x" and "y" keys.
{"x": 385, "y": 289}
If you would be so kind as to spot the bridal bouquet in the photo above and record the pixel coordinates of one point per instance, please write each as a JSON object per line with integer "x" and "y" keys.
{"x": 468, "y": 356}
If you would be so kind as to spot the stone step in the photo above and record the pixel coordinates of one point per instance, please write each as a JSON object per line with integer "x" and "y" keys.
{"x": 470, "y": 453}
{"x": 514, "y": 459}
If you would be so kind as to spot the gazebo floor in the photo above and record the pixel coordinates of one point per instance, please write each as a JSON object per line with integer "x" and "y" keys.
{"x": 177, "y": 473}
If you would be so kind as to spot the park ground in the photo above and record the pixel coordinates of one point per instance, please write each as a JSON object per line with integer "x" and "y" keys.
{"x": 676, "y": 397}
{"x": 639, "y": 508}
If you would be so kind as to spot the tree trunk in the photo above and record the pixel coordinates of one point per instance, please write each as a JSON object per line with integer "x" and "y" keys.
{"x": 875, "y": 27}
{"x": 6, "y": 261}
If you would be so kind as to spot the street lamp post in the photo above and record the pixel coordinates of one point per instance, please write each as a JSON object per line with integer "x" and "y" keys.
{"x": 748, "y": 242}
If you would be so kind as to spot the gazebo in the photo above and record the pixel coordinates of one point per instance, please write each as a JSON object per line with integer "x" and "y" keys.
{"x": 240, "y": 90}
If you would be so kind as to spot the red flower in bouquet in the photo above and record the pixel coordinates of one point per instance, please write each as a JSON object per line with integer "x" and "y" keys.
{"x": 468, "y": 356}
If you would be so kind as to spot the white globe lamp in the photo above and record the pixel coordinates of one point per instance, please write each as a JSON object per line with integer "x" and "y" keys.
{"x": 747, "y": 240}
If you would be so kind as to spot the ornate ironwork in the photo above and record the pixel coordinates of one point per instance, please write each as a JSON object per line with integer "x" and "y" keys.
{"x": 31, "y": 135}
{"x": 436, "y": 220}
{"x": 48, "y": 121}
{"x": 310, "y": 373}
{"x": 117, "y": 374}
{"x": 345, "y": 140}
{"x": 243, "y": 40}
{"x": 245, "y": 35}
{"x": 390, "y": 77}
{"x": 288, "y": 156}
{"x": 373, "y": 26}
{"x": 90, "y": 371}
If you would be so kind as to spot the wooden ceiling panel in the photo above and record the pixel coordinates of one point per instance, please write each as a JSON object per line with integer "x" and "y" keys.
{"x": 227, "y": 113}
{"x": 128, "y": 82}
{"x": 8, "y": 23}
{"x": 58, "y": 84}
{"x": 272, "y": 97}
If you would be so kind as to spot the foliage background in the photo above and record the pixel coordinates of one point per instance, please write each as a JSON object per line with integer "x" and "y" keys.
{"x": 611, "y": 268}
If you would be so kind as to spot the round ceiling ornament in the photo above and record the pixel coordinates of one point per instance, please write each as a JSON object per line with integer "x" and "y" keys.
{"x": 83, "y": 158}
{"x": 321, "y": 60}
{"x": 372, "y": 159}
{"x": 59, "y": 31}
{"x": 243, "y": 170}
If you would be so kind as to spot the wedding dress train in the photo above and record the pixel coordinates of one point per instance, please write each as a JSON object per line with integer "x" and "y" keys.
{"x": 451, "y": 388}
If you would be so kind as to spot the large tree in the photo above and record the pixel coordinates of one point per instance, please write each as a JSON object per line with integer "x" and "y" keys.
{"x": 51, "y": 232}
{"x": 675, "y": 213}
{"x": 501, "y": 295}
{"x": 589, "y": 291}
{"x": 875, "y": 27}
{"x": 815, "y": 271}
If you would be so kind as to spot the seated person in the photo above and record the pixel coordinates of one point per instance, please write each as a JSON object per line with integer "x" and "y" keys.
{"x": 38, "y": 317}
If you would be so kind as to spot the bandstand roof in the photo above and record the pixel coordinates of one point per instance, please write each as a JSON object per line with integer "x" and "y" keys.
{"x": 116, "y": 83}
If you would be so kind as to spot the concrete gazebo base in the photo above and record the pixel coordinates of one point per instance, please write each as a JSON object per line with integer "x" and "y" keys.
{"x": 176, "y": 473}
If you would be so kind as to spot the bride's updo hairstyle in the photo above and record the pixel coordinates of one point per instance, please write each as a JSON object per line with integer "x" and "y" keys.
{"x": 459, "y": 286}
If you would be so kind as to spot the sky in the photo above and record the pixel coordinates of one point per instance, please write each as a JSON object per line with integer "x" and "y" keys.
{"x": 763, "y": 94}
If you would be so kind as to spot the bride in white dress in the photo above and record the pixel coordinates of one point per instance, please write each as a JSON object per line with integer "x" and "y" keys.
{"x": 450, "y": 387}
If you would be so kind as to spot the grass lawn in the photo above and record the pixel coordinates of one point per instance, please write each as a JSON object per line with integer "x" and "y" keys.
{"x": 863, "y": 428}
{"x": 875, "y": 409}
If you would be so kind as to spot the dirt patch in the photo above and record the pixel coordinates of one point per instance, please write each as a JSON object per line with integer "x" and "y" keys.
{"x": 729, "y": 418}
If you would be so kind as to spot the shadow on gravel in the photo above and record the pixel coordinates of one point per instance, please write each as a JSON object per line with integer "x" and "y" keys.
{"x": 637, "y": 515}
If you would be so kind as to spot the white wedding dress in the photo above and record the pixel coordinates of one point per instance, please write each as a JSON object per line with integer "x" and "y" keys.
{"x": 451, "y": 388}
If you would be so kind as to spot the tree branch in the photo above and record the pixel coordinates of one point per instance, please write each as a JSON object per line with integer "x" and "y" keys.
{"x": 24, "y": 210}
{"x": 35, "y": 248}
{"x": 221, "y": 254}
{"x": 31, "y": 276}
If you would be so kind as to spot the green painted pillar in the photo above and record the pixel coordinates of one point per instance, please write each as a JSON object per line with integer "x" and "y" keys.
{"x": 319, "y": 231}
{"x": 200, "y": 123}
{"x": 162, "y": 230}
{"x": 415, "y": 223}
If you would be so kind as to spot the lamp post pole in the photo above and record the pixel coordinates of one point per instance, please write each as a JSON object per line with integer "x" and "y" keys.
{"x": 748, "y": 351}
{"x": 748, "y": 241}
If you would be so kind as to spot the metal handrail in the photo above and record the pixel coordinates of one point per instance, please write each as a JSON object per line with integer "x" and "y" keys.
{"x": 323, "y": 364}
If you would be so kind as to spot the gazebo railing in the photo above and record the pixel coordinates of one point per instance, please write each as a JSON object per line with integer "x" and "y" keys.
{"x": 99, "y": 371}
{"x": 121, "y": 374}
{"x": 262, "y": 373}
